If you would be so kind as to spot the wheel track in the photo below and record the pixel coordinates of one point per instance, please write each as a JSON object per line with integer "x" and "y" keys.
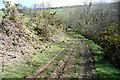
{"x": 85, "y": 66}
{"x": 59, "y": 71}
{"x": 41, "y": 69}
{"x": 70, "y": 69}
{"x": 86, "y": 62}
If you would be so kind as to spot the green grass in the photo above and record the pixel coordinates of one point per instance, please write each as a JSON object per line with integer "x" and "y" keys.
{"x": 75, "y": 67}
{"x": 28, "y": 65}
{"x": 106, "y": 70}
{"x": 78, "y": 51}
{"x": 103, "y": 69}
{"x": 54, "y": 64}
{"x": 63, "y": 14}
{"x": 53, "y": 10}
{"x": 1, "y": 13}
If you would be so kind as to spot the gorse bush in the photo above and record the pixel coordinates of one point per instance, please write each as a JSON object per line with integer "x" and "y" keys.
{"x": 110, "y": 42}
{"x": 11, "y": 10}
{"x": 44, "y": 24}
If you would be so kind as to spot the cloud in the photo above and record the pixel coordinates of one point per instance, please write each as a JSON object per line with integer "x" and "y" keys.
{"x": 57, "y": 3}
{"x": 40, "y": 1}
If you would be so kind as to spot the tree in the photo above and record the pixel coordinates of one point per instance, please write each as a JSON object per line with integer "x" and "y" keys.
{"x": 39, "y": 6}
{"x": 93, "y": 17}
{"x": 48, "y": 5}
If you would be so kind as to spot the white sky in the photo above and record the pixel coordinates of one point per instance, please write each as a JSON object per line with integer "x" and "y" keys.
{"x": 56, "y": 3}
{"x": 68, "y": 2}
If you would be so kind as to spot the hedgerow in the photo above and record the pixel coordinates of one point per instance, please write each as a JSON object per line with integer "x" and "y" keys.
{"x": 110, "y": 42}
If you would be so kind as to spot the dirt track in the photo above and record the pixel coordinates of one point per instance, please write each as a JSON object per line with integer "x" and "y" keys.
{"x": 60, "y": 69}
{"x": 87, "y": 62}
{"x": 66, "y": 67}
{"x": 38, "y": 71}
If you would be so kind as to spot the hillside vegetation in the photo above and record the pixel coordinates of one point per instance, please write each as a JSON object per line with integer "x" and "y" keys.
{"x": 23, "y": 37}
{"x": 99, "y": 22}
{"x": 76, "y": 42}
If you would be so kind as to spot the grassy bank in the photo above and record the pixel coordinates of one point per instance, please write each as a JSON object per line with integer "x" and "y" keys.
{"x": 102, "y": 69}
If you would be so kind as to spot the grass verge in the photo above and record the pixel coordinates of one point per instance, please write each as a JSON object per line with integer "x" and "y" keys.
{"x": 102, "y": 69}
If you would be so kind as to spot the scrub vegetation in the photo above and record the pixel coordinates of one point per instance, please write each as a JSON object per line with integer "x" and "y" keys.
{"x": 32, "y": 37}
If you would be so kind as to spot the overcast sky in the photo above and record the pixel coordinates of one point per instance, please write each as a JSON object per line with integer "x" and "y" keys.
{"x": 55, "y": 3}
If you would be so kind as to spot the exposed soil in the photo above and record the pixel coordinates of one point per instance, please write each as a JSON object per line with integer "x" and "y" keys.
{"x": 13, "y": 43}
{"x": 41, "y": 69}
{"x": 70, "y": 66}
{"x": 86, "y": 62}
{"x": 60, "y": 69}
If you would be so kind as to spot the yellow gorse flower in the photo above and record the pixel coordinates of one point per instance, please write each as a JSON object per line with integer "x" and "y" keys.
{"x": 7, "y": 5}
{"x": 13, "y": 8}
{"x": 14, "y": 17}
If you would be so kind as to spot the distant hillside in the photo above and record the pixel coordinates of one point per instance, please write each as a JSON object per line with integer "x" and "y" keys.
{"x": 71, "y": 6}
{"x": 73, "y": 15}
